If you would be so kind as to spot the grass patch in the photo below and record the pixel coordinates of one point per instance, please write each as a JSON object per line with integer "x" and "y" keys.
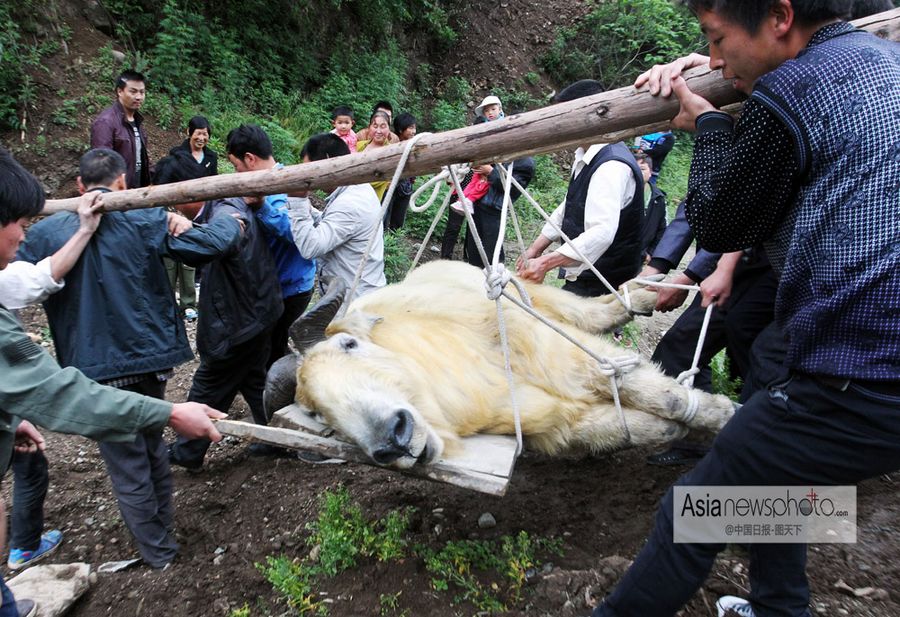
{"x": 489, "y": 574}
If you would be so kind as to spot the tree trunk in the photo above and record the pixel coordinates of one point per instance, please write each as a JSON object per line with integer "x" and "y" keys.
{"x": 621, "y": 113}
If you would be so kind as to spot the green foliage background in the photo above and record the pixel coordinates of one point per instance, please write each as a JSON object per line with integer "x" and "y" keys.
{"x": 620, "y": 39}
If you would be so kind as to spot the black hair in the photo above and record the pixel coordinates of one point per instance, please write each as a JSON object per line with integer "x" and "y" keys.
{"x": 248, "y": 139}
{"x": 479, "y": 120}
{"x": 100, "y": 167}
{"x": 381, "y": 114}
{"x": 579, "y": 89}
{"x": 324, "y": 146}
{"x": 197, "y": 123}
{"x": 341, "y": 110}
{"x": 864, "y": 8}
{"x": 749, "y": 14}
{"x": 383, "y": 105}
{"x": 169, "y": 169}
{"x": 129, "y": 75}
{"x": 403, "y": 122}
{"x": 21, "y": 195}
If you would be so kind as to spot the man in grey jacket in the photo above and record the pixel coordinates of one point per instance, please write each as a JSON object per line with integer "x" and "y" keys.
{"x": 338, "y": 237}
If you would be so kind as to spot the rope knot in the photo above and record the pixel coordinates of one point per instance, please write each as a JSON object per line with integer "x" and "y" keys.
{"x": 496, "y": 278}
{"x": 688, "y": 374}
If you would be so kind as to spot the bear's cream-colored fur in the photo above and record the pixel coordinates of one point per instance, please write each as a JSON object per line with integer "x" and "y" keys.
{"x": 429, "y": 349}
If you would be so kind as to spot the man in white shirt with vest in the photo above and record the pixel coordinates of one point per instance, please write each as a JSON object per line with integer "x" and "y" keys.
{"x": 602, "y": 215}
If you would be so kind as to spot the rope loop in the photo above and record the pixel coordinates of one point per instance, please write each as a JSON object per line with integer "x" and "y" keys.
{"x": 688, "y": 374}
{"x": 496, "y": 278}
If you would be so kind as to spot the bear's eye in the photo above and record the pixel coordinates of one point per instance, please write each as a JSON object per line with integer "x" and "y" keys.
{"x": 349, "y": 343}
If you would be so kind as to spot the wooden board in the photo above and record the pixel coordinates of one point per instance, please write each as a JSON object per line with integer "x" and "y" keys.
{"x": 485, "y": 463}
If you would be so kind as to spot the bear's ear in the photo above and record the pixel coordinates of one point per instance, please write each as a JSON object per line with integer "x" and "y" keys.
{"x": 357, "y": 323}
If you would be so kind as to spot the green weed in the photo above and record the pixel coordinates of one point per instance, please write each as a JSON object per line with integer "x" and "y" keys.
{"x": 66, "y": 114}
{"x": 342, "y": 534}
{"x": 293, "y": 580}
{"x": 723, "y": 381}
{"x": 244, "y": 611}
{"x": 389, "y": 605}
{"x": 467, "y": 567}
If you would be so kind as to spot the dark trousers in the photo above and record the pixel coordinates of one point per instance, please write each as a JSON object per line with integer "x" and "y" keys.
{"x": 216, "y": 383}
{"x": 487, "y": 223}
{"x": 395, "y": 215}
{"x": 7, "y": 601}
{"x": 293, "y": 308}
{"x": 30, "y": 481}
{"x": 799, "y": 432}
{"x": 766, "y": 361}
{"x": 733, "y": 327}
{"x": 455, "y": 222}
{"x": 142, "y": 483}
{"x": 586, "y": 289}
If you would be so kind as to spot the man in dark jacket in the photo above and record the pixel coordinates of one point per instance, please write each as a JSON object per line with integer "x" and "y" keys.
{"x": 116, "y": 320}
{"x": 803, "y": 171}
{"x": 120, "y": 128}
{"x": 240, "y": 303}
{"x": 34, "y": 387}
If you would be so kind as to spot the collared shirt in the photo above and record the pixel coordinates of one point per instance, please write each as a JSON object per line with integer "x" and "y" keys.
{"x": 611, "y": 189}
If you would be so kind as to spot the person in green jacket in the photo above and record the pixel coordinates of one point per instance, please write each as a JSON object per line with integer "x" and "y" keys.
{"x": 33, "y": 387}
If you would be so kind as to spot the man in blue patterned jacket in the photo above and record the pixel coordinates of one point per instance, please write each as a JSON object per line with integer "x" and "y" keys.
{"x": 805, "y": 172}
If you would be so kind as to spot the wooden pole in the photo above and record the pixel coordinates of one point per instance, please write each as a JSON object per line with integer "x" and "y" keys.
{"x": 620, "y": 112}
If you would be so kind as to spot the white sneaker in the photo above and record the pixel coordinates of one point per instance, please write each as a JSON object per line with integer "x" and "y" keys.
{"x": 737, "y": 606}
{"x": 457, "y": 206}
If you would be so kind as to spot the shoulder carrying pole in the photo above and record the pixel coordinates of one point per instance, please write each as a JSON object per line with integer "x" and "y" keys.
{"x": 613, "y": 115}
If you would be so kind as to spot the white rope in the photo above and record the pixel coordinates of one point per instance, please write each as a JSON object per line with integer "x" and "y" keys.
{"x": 497, "y": 276}
{"x": 687, "y": 378}
{"x": 568, "y": 241}
{"x": 377, "y": 228}
{"x": 438, "y": 182}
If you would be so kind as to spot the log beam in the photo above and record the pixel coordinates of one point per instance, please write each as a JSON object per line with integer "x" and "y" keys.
{"x": 624, "y": 113}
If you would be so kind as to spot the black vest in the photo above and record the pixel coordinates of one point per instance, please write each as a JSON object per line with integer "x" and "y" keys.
{"x": 622, "y": 260}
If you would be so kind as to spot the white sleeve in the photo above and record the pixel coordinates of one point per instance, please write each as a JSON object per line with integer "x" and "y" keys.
{"x": 611, "y": 189}
{"x": 23, "y": 283}
{"x": 556, "y": 217}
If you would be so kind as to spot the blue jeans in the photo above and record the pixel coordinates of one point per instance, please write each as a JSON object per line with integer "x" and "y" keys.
{"x": 8, "y": 607}
{"x": 800, "y": 432}
{"x": 30, "y": 481}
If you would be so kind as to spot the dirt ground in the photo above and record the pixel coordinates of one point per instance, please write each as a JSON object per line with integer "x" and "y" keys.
{"x": 239, "y": 510}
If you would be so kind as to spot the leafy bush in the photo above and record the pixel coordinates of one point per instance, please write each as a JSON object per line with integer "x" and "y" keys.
{"x": 396, "y": 256}
{"x": 619, "y": 39}
{"x": 17, "y": 58}
{"x": 342, "y": 534}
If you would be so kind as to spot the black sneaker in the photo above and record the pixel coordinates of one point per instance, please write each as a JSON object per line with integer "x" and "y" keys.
{"x": 189, "y": 465}
{"x": 263, "y": 449}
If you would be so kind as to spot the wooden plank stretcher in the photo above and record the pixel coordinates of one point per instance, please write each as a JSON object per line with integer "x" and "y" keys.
{"x": 485, "y": 463}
